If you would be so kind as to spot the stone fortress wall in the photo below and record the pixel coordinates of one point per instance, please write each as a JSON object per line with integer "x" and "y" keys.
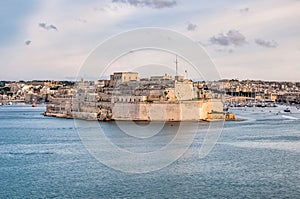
{"x": 127, "y": 97}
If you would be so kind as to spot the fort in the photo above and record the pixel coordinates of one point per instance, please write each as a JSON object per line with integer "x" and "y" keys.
{"x": 126, "y": 96}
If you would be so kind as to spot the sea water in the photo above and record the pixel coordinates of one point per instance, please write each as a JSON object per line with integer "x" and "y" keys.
{"x": 44, "y": 157}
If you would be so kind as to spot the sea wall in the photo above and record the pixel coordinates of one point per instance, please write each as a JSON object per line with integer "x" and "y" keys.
{"x": 84, "y": 115}
{"x": 161, "y": 111}
{"x": 191, "y": 110}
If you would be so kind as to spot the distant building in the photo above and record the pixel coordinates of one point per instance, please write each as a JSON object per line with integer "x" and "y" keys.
{"x": 121, "y": 77}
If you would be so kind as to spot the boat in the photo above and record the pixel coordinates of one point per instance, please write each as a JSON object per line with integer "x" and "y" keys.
{"x": 225, "y": 109}
{"x": 287, "y": 110}
{"x": 33, "y": 105}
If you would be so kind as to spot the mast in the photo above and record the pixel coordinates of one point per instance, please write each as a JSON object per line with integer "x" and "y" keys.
{"x": 176, "y": 64}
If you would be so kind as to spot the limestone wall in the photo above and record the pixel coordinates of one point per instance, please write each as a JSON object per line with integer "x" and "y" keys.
{"x": 192, "y": 110}
{"x": 182, "y": 111}
{"x": 184, "y": 90}
{"x": 84, "y": 115}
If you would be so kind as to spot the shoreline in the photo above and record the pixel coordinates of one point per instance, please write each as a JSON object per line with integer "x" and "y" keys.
{"x": 67, "y": 116}
{"x": 232, "y": 109}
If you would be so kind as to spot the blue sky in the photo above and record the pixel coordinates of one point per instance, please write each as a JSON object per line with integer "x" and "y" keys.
{"x": 245, "y": 39}
{"x": 11, "y": 15}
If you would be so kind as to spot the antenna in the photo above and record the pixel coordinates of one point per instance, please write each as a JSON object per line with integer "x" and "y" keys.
{"x": 176, "y": 62}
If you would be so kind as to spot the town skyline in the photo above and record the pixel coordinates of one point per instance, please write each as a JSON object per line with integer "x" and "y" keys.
{"x": 76, "y": 79}
{"x": 120, "y": 84}
{"x": 256, "y": 40}
{"x": 71, "y": 79}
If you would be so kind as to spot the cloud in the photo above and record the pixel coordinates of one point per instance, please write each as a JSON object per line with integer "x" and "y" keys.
{"x": 231, "y": 38}
{"x": 61, "y": 54}
{"x": 52, "y": 27}
{"x": 47, "y": 27}
{"x": 43, "y": 25}
{"x": 265, "y": 43}
{"x": 244, "y": 10}
{"x": 107, "y": 8}
{"x": 27, "y": 43}
{"x": 157, "y": 4}
{"x": 191, "y": 27}
{"x": 224, "y": 50}
{"x": 81, "y": 20}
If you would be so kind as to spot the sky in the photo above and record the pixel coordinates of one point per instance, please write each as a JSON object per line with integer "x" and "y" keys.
{"x": 249, "y": 39}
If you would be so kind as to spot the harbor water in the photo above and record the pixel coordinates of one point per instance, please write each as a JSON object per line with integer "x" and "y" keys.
{"x": 44, "y": 157}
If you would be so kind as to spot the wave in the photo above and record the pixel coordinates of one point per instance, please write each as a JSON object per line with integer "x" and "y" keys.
{"x": 290, "y": 117}
{"x": 270, "y": 138}
{"x": 29, "y": 153}
{"x": 286, "y": 146}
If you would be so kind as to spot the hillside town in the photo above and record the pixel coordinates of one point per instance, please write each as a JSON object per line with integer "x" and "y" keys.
{"x": 93, "y": 99}
{"x": 34, "y": 92}
{"x": 39, "y": 91}
{"x": 258, "y": 92}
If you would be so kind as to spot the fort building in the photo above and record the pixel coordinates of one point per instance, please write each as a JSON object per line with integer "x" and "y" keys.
{"x": 125, "y": 96}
